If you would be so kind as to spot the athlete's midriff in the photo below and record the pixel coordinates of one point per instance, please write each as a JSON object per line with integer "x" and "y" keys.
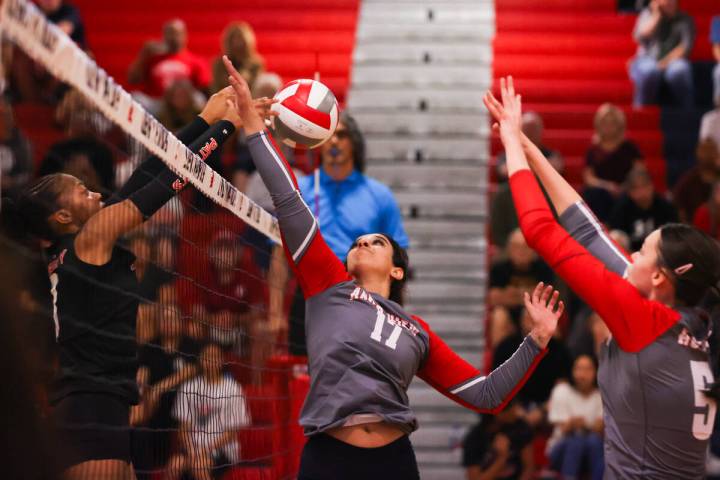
{"x": 367, "y": 435}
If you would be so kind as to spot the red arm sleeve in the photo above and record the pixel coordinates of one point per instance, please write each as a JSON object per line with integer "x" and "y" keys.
{"x": 634, "y": 321}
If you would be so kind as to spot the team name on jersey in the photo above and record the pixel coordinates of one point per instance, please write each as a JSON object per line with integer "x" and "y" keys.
{"x": 362, "y": 295}
{"x": 687, "y": 340}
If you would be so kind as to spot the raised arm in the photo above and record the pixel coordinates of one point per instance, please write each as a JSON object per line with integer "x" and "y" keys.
{"x": 315, "y": 265}
{"x": 575, "y": 216}
{"x": 452, "y": 376}
{"x": 150, "y": 187}
{"x": 634, "y": 321}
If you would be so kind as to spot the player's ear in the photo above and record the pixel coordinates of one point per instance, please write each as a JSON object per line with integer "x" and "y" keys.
{"x": 659, "y": 278}
{"x": 62, "y": 216}
{"x": 397, "y": 273}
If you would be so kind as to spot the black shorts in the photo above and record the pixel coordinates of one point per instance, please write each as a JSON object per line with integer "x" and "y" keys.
{"x": 92, "y": 426}
{"x": 327, "y": 458}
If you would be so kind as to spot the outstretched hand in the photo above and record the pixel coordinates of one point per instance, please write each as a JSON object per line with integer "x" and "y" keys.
{"x": 542, "y": 309}
{"x": 509, "y": 113}
{"x": 251, "y": 120}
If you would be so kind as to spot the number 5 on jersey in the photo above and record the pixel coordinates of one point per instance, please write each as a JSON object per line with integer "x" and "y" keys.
{"x": 704, "y": 416}
{"x": 377, "y": 331}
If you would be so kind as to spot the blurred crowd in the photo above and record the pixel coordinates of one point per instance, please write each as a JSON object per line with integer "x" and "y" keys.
{"x": 554, "y": 427}
{"x": 213, "y": 289}
{"x": 203, "y": 339}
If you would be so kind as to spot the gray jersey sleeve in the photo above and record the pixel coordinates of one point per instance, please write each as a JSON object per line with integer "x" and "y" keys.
{"x": 493, "y": 392}
{"x": 454, "y": 377}
{"x": 582, "y": 225}
{"x": 315, "y": 265}
{"x": 297, "y": 223}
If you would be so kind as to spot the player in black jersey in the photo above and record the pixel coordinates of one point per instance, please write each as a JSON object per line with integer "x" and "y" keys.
{"x": 94, "y": 293}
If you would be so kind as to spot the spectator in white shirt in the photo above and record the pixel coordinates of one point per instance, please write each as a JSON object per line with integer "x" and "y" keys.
{"x": 210, "y": 409}
{"x": 575, "y": 411}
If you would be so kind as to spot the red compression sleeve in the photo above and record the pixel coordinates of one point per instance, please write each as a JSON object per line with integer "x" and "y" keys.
{"x": 634, "y": 321}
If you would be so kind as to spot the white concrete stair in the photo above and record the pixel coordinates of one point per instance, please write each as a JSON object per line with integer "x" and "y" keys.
{"x": 420, "y": 69}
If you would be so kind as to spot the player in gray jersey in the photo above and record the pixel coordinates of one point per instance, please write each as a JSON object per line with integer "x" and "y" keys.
{"x": 364, "y": 349}
{"x": 655, "y": 375}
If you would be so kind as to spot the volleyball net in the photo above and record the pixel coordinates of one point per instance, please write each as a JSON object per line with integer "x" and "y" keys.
{"x": 202, "y": 262}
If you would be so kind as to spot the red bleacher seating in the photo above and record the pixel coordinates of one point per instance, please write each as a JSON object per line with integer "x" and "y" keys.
{"x": 251, "y": 473}
{"x": 568, "y": 57}
{"x": 38, "y": 124}
{"x": 256, "y": 443}
{"x": 196, "y": 233}
{"x": 289, "y": 33}
{"x": 261, "y": 401}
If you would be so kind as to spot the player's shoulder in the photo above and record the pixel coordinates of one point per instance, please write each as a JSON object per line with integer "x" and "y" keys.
{"x": 230, "y": 384}
{"x": 377, "y": 186}
{"x": 562, "y": 390}
{"x": 422, "y": 323}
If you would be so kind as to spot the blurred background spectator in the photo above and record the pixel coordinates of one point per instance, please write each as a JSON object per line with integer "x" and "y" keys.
{"x": 179, "y": 105}
{"x": 15, "y": 159}
{"x": 66, "y": 16}
{"x": 587, "y": 334}
{"x": 608, "y": 160}
{"x": 85, "y": 157}
{"x": 710, "y": 124}
{"x": 555, "y": 366}
{"x": 665, "y": 37}
{"x": 28, "y": 81}
{"x": 500, "y": 447}
{"x": 165, "y": 363}
{"x": 640, "y": 210}
{"x": 533, "y": 128}
{"x": 693, "y": 188}
{"x": 154, "y": 264}
{"x": 233, "y": 300}
{"x": 575, "y": 411}
{"x": 160, "y": 63}
{"x": 518, "y": 272}
{"x": 503, "y": 219}
{"x": 707, "y": 216}
{"x": 238, "y": 43}
{"x": 210, "y": 409}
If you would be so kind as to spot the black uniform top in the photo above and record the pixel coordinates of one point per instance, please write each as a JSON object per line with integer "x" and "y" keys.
{"x": 94, "y": 309}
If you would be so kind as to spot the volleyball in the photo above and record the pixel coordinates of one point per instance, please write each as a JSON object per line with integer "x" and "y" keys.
{"x": 307, "y": 113}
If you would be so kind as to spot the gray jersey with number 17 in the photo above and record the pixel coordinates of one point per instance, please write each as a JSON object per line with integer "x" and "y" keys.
{"x": 364, "y": 349}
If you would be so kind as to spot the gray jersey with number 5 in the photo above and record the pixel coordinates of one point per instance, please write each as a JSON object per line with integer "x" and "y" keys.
{"x": 657, "y": 418}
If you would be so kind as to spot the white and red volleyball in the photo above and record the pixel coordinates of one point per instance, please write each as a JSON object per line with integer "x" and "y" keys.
{"x": 307, "y": 113}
